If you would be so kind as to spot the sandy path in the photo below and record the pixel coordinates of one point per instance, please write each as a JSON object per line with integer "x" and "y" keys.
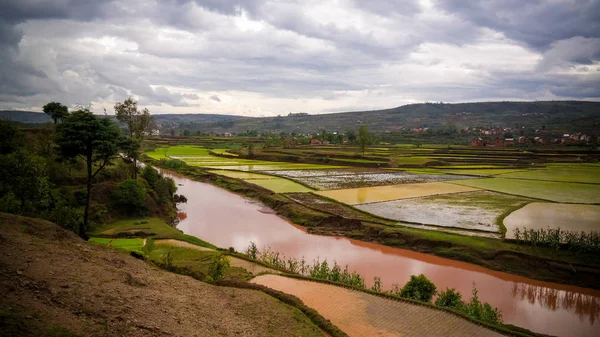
{"x": 361, "y": 314}
{"x": 254, "y": 268}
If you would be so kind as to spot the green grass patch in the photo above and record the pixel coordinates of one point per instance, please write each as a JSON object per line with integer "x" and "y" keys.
{"x": 128, "y": 244}
{"x": 545, "y": 190}
{"x": 161, "y": 229}
{"x": 100, "y": 241}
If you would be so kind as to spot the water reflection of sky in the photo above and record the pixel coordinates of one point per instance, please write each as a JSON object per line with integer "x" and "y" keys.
{"x": 228, "y": 220}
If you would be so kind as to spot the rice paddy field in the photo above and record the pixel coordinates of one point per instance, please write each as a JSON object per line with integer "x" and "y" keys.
{"x": 539, "y": 215}
{"x": 364, "y": 195}
{"x": 472, "y": 191}
{"x": 545, "y": 190}
{"x": 480, "y": 210}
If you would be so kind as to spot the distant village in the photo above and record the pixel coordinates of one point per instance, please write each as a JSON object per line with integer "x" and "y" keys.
{"x": 497, "y": 137}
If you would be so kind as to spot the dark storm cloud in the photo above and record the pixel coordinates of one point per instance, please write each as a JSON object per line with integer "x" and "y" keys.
{"x": 334, "y": 54}
{"x": 536, "y": 23}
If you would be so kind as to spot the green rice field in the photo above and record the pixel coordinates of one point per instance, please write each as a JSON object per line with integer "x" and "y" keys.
{"x": 545, "y": 190}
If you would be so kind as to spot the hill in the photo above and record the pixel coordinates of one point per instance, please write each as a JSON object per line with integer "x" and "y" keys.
{"x": 558, "y": 116}
{"x": 55, "y": 284}
{"x": 567, "y": 116}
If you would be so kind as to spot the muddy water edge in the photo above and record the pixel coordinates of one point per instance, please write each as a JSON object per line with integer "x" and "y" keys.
{"x": 230, "y": 220}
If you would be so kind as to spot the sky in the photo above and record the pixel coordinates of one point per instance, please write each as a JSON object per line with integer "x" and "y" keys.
{"x": 264, "y": 58}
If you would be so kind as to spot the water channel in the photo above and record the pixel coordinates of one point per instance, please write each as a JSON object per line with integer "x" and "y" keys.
{"x": 229, "y": 220}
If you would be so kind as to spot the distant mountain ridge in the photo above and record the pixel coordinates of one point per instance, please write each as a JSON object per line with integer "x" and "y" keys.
{"x": 557, "y": 115}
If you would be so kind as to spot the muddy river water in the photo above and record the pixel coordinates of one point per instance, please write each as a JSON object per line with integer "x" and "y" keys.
{"x": 228, "y": 220}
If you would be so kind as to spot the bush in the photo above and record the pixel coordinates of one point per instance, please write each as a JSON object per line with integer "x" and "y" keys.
{"x": 449, "y": 298}
{"x": 217, "y": 267}
{"x": 418, "y": 288}
{"x": 482, "y": 311}
{"x": 151, "y": 175}
{"x": 131, "y": 195}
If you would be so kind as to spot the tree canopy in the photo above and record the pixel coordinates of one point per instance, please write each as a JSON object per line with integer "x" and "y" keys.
{"x": 56, "y": 111}
{"x": 139, "y": 122}
{"x": 364, "y": 138}
{"x": 95, "y": 140}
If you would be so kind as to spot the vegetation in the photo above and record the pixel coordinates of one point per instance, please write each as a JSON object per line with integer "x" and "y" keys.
{"x": 364, "y": 138}
{"x": 95, "y": 140}
{"x": 56, "y": 111}
{"x": 555, "y": 238}
{"x": 419, "y": 288}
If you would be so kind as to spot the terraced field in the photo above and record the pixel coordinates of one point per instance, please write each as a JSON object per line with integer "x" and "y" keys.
{"x": 357, "y": 196}
{"x": 545, "y": 190}
{"x": 362, "y": 314}
{"x": 481, "y": 210}
{"x": 345, "y": 179}
{"x": 564, "y": 216}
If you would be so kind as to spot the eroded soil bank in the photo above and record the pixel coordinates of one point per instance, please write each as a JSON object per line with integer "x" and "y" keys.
{"x": 229, "y": 220}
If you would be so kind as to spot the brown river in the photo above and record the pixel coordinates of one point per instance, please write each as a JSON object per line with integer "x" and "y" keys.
{"x": 229, "y": 220}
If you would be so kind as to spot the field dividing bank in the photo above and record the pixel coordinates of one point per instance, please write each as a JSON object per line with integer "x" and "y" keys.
{"x": 364, "y": 195}
{"x": 361, "y": 314}
{"x": 544, "y": 190}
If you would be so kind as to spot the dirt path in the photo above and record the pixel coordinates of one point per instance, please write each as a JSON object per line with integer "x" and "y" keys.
{"x": 254, "y": 268}
{"x": 361, "y": 314}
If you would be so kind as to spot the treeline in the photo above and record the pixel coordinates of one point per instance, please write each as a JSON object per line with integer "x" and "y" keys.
{"x": 557, "y": 238}
{"x": 418, "y": 288}
{"x": 81, "y": 170}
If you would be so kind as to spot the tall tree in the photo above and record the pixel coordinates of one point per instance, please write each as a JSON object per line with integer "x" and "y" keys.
{"x": 56, "y": 111}
{"x": 93, "y": 139}
{"x": 139, "y": 123}
{"x": 364, "y": 138}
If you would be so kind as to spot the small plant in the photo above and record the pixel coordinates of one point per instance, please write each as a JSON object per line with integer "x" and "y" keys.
{"x": 231, "y": 250}
{"x": 217, "y": 268}
{"x": 168, "y": 259}
{"x": 449, "y": 298}
{"x": 252, "y": 251}
{"x": 418, "y": 288}
{"x": 376, "y": 285}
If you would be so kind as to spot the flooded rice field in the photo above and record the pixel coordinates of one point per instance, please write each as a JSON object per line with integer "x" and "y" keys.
{"x": 544, "y": 214}
{"x": 344, "y": 179}
{"x": 228, "y": 220}
{"x": 471, "y": 210}
{"x": 364, "y": 195}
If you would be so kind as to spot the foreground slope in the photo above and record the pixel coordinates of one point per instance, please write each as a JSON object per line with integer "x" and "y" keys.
{"x": 50, "y": 278}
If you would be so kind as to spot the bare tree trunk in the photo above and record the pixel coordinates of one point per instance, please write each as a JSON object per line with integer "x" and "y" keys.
{"x": 84, "y": 225}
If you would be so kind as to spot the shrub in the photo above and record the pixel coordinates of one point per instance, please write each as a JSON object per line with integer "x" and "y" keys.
{"x": 418, "y": 288}
{"x": 449, "y": 298}
{"x": 252, "y": 251}
{"x": 482, "y": 311}
{"x": 131, "y": 195}
{"x": 217, "y": 267}
{"x": 151, "y": 175}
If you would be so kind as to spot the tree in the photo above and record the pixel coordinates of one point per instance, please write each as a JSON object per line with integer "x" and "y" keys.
{"x": 95, "y": 140}
{"x": 186, "y": 133}
{"x": 24, "y": 186}
{"x": 418, "y": 288}
{"x": 139, "y": 123}
{"x": 364, "y": 138}
{"x": 131, "y": 149}
{"x": 131, "y": 195}
{"x": 11, "y": 137}
{"x": 351, "y": 135}
{"x": 56, "y": 111}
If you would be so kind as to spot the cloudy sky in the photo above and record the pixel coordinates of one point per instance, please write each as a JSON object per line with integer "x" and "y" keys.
{"x": 262, "y": 58}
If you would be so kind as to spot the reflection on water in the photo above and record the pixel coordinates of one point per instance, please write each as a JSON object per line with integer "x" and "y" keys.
{"x": 585, "y": 306}
{"x": 228, "y": 220}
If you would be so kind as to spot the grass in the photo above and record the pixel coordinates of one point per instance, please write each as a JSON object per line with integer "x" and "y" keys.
{"x": 128, "y": 244}
{"x": 100, "y": 241}
{"x": 194, "y": 262}
{"x": 544, "y": 190}
{"x": 161, "y": 229}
